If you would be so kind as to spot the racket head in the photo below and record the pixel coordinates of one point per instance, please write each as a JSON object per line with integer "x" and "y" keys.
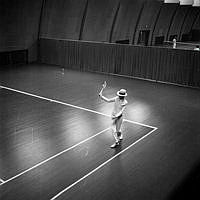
{"x": 104, "y": 84}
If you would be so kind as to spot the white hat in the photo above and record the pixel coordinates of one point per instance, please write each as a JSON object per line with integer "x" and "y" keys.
{"x": 122, "y": 93}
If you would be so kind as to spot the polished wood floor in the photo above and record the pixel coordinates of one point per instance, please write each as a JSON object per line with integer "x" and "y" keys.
{"x": 46, "y": 146}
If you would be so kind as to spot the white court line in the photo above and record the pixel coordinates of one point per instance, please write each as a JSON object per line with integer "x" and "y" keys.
{"x": 78, "y": 107}
{"x": 52, "y": 157}
{"x": 100, "y": 166}
{"x": 1, "y": 181}
{"x": 67, "y": 104}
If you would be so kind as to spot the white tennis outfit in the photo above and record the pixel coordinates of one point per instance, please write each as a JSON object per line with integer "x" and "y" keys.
{"x": 118, "y": 110}
{"x": 117, "y": 114}
{"x": 118, "y": 105}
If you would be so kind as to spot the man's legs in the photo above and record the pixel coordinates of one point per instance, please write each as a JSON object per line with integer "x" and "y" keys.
{"x": 118, "y": 128}
{"x": 117, "y": 131}
{"x": 114, "y": 132}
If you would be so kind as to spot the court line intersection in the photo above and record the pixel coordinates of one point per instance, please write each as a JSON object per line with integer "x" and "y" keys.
{"x": 1, "y": 181}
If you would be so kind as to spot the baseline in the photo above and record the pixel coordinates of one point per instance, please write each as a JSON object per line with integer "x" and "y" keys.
{"x": 100, "y": 166}
{"x": 73, "y": 106}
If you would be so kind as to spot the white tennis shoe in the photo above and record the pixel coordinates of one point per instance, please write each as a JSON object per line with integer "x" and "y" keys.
{"x": 115, "y": 145}
{"x": 121, "y": 137}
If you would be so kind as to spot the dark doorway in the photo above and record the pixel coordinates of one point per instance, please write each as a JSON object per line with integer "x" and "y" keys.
{"x": 14, "y": 57}
{"x": 143, "y": 37}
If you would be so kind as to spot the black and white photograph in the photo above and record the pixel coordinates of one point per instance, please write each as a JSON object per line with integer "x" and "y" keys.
{"x": 99, "y": 99}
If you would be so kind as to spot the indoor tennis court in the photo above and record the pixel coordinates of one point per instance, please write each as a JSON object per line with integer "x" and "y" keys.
{"x": 99, "y": 99}
{"x": 55, "y": 139}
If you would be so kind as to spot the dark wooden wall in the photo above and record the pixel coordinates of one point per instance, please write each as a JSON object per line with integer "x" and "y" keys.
{"x": 23, "y": 22}
{"x": 160, "y": 64}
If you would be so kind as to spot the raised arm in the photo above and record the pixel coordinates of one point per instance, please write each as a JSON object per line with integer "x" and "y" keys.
{"x": 103, "y": 97}
{"x": 106, "y": 99}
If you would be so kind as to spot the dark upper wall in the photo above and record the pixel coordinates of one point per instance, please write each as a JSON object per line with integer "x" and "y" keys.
{"x": 148, "y": 18}
{"x": 126, "y": 20}
{"x": 164, "y": 20}
{"x": 62, "y": 18}
{"x": 93, "y": 20}
{"x": 99, "y": 20}
{"x": 188, "y": 23}
{"x": 19, "y": 22}
{"x": 197, "y": 23}
{"x": 195, "y": 32}
{"x": 178, "y": 20}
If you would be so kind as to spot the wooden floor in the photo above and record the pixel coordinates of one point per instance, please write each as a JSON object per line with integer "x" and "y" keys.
{"x": 55, "y": 137}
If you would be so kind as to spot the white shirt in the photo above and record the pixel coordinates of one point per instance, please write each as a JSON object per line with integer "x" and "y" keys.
{"x": 118, "y": 105}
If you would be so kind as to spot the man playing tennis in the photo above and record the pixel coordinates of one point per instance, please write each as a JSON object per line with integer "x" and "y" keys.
{"x": 117, "y": 115}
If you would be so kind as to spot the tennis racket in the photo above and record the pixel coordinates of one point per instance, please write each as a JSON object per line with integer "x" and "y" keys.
{"x": 103, "y": 87}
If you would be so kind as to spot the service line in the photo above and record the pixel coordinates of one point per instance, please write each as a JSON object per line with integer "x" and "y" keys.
{"x": 73, "y": 106}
